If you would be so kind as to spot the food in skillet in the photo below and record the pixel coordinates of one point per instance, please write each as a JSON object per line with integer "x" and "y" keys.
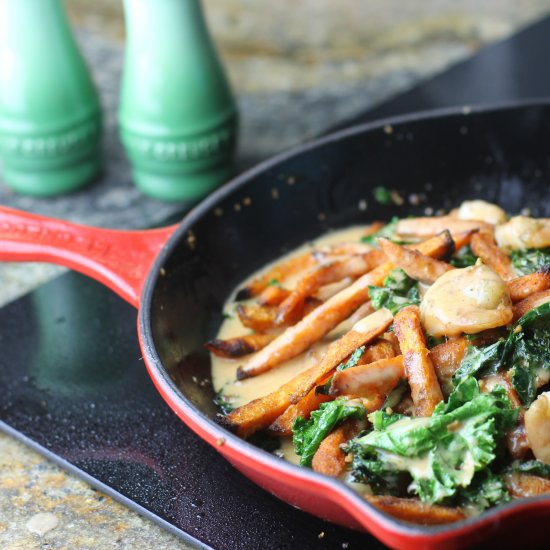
{"x": 410, "y": 359}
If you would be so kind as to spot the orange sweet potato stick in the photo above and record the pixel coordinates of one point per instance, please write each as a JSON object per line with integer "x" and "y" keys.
{"x": 425, "y": 389}
{"x": 261, "y": 413}
{"x": 328, "y": 315}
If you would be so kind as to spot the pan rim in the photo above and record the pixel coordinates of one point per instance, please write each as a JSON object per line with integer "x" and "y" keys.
{"x": 262, "y": 459}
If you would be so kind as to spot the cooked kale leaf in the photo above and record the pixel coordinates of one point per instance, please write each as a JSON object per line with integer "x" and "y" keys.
{"x": 523, "y": 354}
{"x": 528, "y": 347}
{"x": 442, "y": 453}
{"x": 399, "y": 291}
{"x": 533, "y": 467}
{"x": 382, "y": 195}
{"x": 529, "y": 261}
{"x": 487, "y": 489}
{"x": 480, "y": 362}
{"x": 308, "y": 434}
{"x": 353, "y": 360}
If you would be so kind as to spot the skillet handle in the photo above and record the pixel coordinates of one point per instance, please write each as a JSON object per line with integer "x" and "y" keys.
{"x": 121, "y": 260}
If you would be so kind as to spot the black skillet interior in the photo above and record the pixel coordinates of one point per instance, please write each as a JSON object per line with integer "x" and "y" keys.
{"x": 433, "y": 162}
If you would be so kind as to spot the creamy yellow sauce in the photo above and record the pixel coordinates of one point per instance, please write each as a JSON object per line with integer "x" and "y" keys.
{"x": 223, "y": 370}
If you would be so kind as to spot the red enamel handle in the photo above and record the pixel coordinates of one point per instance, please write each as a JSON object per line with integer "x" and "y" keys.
{"x": 121, "y": 260}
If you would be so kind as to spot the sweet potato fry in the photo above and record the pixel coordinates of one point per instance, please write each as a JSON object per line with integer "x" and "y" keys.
{"x": 239, "y": 346}
{"x": 264, "y": 318}
{"x": 346, "y": 249}
{"x": 258, "y": 318}
{"x": 415, "y": 511}
{"x": 441, "y": 246}
{"x": 522, "y": 287}
{"x": 373, "y": 228}
{"x": 277, "y": 273}
{"x": 425, "y": 390}
{"x": 328, "y": 315}
{"x": 372, "y": 403}
{"x": 426, "y": 227}
{"x": 521, "y": 308}
{"x": 391, "y": 338}
{"x": 379, "y": 377}
{"x": 273, "y": 295}
{"x": 446, "y": 358}
{"x": 460, "y": 239}
{"x": 329, "y": 458}
{"x": 314, "y": 326}
{"x": 484, "y": 246}
{"x": 517, "y": 442}
{"x": 380, "y": 349}
{"x": 521, "y": 485}
{"x": 310, "y": 402}
{"x": 326, "y": 274}
{"x": 262, "y": 412}
{"x": 416, "y": 265}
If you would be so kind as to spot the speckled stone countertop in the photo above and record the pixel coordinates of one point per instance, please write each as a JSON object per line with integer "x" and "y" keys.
{"x": 297, "y": 67}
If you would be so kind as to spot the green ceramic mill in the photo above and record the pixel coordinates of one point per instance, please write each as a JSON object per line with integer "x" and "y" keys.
{"x": 178, "y": 119}
{"x": 50, "y": 121}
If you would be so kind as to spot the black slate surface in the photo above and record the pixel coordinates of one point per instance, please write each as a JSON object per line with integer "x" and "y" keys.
{"x": 76, "y": 389}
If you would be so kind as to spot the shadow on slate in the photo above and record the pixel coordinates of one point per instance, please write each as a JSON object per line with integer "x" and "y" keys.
{"x": 75, "y": 389}
{"x": 516, "y": 68}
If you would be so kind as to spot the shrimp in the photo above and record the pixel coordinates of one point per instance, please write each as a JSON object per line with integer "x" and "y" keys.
{"x": 481, "y": 210}
{"x": 537, "y": 425}
{"x": 466, "y": 300}
{"x": 522, "y": 232}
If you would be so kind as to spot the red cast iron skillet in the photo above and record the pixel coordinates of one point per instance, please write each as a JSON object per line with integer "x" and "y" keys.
{"x": 180, "y": 276}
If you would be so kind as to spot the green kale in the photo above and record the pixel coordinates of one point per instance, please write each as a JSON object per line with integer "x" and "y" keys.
{"x": 531, "y": 260}
{"x": 382, "y": 195}
{"x": 533, "y": 467}
{"x": 487, "y": 489}
{"x": 308, "y": 434}
{"x": 529, "y": 350}
{"x": 442, "y": 453}
{"x": 353, "y": 360}
{"x": 525, "y": 351}
{"x": 464, "y": 257}
{"x": 480, "y": 362}
{"x": 399, "y": 291}
{"x": 387, "y": 232}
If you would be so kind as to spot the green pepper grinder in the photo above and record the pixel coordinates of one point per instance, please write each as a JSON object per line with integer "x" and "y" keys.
{"x": 50, "y": 121}
{"x": 178, "y": 119}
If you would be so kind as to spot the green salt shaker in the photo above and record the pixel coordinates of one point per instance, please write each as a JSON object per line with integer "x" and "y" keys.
{"x": 50, "y": 125}
{"x": 178, "y": 119}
